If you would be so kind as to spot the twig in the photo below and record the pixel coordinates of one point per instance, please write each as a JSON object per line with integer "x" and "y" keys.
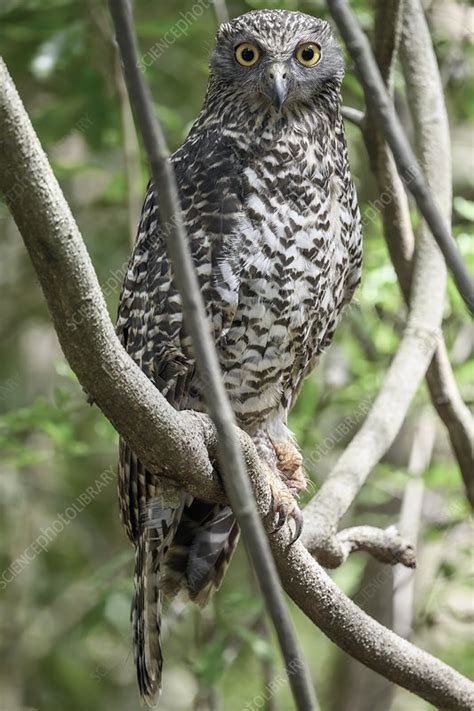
{"x": 230, "y": 458}
{"x": 131, "y": 152}
{"x": 353, "y": 115}
{"x": 178, "y": 443}
{"x": 386, "y": 546}
{"x": 378, "y": 99}
{"x": 222, "y": 13}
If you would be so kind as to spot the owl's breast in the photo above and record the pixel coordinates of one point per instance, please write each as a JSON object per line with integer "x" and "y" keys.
{"x": 291, "y": 277}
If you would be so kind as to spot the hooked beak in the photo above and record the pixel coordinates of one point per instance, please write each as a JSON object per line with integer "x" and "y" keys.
{"x": 278, "y": 86}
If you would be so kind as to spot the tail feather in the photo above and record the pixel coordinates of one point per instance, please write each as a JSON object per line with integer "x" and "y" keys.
{"x": 200, "y": 552}
{"x": 151, "y": 526}
{"x": 183, "y": 546}
{"x": 146, "y": 620}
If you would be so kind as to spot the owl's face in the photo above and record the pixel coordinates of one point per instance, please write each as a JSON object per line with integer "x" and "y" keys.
{"x": 282, "y": 57}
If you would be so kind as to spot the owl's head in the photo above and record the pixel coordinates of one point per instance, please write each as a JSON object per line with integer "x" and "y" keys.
{"x": 284, "y": 57}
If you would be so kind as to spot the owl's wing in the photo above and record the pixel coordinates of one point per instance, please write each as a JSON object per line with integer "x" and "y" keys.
{"x": 150, "y": 323}
{"x": 150, "y": 327}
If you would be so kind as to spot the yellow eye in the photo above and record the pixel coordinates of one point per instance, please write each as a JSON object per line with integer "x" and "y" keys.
{"x": 247, "y": 54}
{"x": 308, "y": 54}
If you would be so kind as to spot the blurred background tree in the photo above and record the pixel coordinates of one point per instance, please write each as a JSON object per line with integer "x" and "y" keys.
{"x": 65, "y": 640}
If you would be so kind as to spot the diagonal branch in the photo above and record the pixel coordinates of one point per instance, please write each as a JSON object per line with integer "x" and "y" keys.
{"x": 425, "y": 92}
{"x": 378, "y": 99}
{"x": 231, "y": 462}
{"x": 168, "y": 441}
{"x": 400, "y": 239}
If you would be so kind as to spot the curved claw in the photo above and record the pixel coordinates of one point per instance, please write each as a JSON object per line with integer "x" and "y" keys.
{"x": 282, "y": 515}
{"x": 297, "y": 517}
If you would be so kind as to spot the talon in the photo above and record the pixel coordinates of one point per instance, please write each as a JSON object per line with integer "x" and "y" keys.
{"x": 298, "y": 519}
{"x": 282, "y": 516}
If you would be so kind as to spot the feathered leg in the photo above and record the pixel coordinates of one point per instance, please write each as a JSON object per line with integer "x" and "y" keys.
{"x": 283, "y": 463}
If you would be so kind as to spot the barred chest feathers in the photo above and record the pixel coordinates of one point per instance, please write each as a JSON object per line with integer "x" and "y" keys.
{"x": 294, "y": 236}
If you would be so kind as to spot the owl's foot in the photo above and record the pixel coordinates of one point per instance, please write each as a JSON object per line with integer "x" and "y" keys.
{"x": 290, "y": 466}
{"x": 284, "y": 506}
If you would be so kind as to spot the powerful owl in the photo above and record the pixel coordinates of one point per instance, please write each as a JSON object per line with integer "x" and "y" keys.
{"x": 273, "y": 225}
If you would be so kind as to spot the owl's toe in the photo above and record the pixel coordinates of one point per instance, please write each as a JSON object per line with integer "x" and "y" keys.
{"x": 285, "y": 509}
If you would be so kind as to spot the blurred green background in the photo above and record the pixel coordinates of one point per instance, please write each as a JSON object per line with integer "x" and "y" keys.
{"x": 65, "y": 611}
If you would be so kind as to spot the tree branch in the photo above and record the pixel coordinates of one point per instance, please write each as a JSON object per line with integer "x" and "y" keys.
{"x": 231, "y": 462}
{"x": 387, "y": 546}
{"x": 353, "y": 115}
{"x": 410, "y": 520}
{"x": 425, "y": 92}
{"x": 398, "y": 233}
{"x": 222, "y": 13}
{"x": 165, "y": 440}
{"x": 378, "y": 99}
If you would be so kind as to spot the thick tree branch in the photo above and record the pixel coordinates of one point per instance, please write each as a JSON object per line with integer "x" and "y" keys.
{"x": 378, "y": 99}
{"x": 168, "y": 441}
{"x": 398, "y": 233}
{"x": 231, "y": 462}
{"x": 425, "y": 93}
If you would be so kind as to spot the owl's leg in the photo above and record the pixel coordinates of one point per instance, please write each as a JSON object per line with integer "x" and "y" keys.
{"x": 290, "y": 465}
{"x": 285, "y": 507}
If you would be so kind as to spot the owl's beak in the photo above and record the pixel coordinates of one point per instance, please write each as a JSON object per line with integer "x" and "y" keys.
{"x": 278, "y": 85}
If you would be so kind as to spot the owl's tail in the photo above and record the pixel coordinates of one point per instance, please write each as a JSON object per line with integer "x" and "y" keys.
{"x": 200, "y": 552}
{"x": 184, "y": 549}
{"x": 150, "y": 547}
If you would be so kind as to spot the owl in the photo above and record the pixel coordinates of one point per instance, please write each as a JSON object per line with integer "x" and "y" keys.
{"x": 274, "y": 230}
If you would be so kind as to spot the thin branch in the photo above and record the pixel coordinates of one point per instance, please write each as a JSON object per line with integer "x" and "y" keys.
{"x": 180, "y": 444}
{"x": 353, "y": 115}
{"x": 131, "y": 152}
{"x": 222, "y": 13}
{"x": 410, "y": 521}
{"x": 387, "y": 546}
{"x": 231, "y": 462}
{"x": 378, "y": 99}
{"x": 455, "y": 414}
